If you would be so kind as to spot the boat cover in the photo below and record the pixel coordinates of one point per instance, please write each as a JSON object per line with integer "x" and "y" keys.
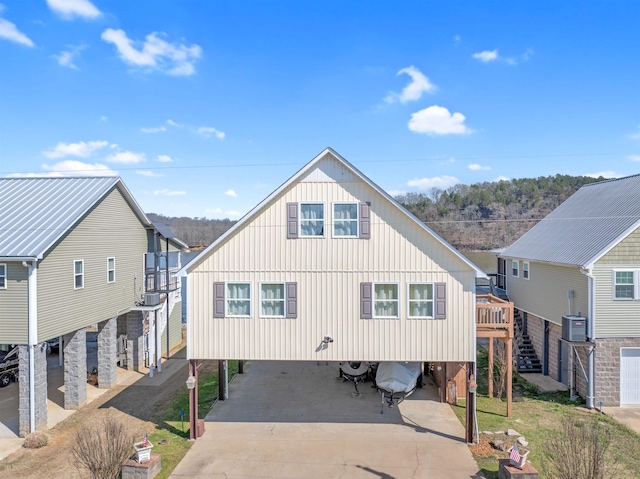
{"x": 397, "y": 377}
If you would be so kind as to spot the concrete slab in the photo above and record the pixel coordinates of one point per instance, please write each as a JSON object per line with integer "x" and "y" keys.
{"x": 545, "y": 383}
{"x": 296, "y": 420}
{"x": 629, "y": 416}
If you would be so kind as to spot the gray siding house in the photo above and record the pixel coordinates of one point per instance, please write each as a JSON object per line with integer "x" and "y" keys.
{"x": 583, "y": 260}
{"x": 78, "y": 253}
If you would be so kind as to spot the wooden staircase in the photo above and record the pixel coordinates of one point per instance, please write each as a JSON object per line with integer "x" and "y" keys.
{"x": 527, "y": 360}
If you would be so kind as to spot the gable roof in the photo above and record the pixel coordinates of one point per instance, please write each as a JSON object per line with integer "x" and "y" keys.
{"x": 585, "y": 227}
{"x": 36, "y": 212}
{"x": 297, "y": 177}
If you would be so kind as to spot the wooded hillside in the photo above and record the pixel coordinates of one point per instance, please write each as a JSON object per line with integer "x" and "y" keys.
{"x": 477, "y": 217}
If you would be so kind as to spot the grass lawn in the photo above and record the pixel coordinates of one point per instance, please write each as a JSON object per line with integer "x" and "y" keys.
{"x": 537, "y": 416}
{"x": 171, "y": 435}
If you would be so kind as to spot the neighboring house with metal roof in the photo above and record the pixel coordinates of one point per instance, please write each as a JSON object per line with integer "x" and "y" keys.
{"x": 329, "y": 267}
{"x": 77, "y": 253}
{"x": 583, "y": 261}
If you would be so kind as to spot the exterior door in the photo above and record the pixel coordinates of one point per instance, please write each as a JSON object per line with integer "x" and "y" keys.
{"x": 563, "y": 362}
{"x": 629, "y": 376}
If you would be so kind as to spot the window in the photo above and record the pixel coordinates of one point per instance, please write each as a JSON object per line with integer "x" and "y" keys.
{"x": 78, "y": 273}
{"x": 111, "y": 270}
{"x": 525, "y": 269}
{"x": 385, "y": 300}
{"x": 238, "y": 299}
{"x": 3, "y": 276}
{"x": 345, "y": 219}
{"x": 420, "y": 300}
{"x": 514, "y": 267}
{"x": 625, "y": 285}
{"x": 272, "y": 300}
{"x": 312, "y": 219}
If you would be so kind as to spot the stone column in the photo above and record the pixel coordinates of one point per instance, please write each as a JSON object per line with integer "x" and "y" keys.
{"x": 107, "y": 353}
{"x": 75, "y": 369}
{"x": 135, "y": 341}
{"x": 40, "y": 361}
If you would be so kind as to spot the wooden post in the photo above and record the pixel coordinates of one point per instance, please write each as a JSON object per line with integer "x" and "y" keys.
{"x": 490, "y": 370}
{"x": 471, "y": 405}
{"x": 509, "y": 360}
{"x": 240, "y": 366}
{"x": 193, "y": 401}
{"x": 443, "y": 382}
{"x": 222, "y": 380}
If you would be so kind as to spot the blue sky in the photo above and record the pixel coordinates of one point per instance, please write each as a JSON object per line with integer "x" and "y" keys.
{"x": 205, "y": 107}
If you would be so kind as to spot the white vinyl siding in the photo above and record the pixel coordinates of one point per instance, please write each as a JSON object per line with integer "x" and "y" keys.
{"x": 625, "y": 285}
{"x": 514, "y": 268}
{"x": 312, "y": 219}
{"x": 238, "y": 299}
{"x": 78, "y": 274}
{"x": 111, "y": 270}
{"x": 345, "y": 220}
{"x": 420, "y": 300}
{"x": 525, "y": 270}
{"x": 272, "y": 300}
{"x": 3, "y": 276}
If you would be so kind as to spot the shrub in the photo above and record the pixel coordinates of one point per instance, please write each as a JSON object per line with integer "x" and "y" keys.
{"x": 35, "y": 440}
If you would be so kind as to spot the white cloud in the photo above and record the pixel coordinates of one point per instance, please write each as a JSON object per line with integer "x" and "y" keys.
{"x": 456, "y": 39}
{"x": 437, "y": 120}
{"x": 231, "y": 193}
{"x": 164, "y": 159}
{"x": 486, "y": 56}
{"x": 604, "y": 174}
{"x": 207, "y": 131}
{"x": 157, "y": 129}
{"x": 66, "y": 57}
{"x": 78, "y": 168}
{"x": 81, "y": 149}
{"x": 502, "y": 178}
{"x": 634, "y": 157}
{"x": 173, "y": 123}
{"x": 10, "y": 32}
{"x": 166, "y": 192}
{"x": 69, "y": 9}
{"x": 104, "y": 118}
{"x": 231, "y": 214}
{"x": 395, "y": 193}
{"x": 441, "y": 182}
{"x": 126, "y": 157}
{"x": 477, "y": 167}
{"x": 154, "y": 53}
{"x": 148, "y": 173}
{"x": 414, "y": 90}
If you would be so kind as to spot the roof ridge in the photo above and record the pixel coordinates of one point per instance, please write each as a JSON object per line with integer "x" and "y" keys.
{"x": 609, "y": 180}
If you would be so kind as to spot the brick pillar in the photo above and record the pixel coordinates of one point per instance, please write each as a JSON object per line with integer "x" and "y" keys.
{"x": 75, "y": 369}
{"x": 40, "y": 361}
{"x": 107, "y": 352}
{"x": 135, "y": 341}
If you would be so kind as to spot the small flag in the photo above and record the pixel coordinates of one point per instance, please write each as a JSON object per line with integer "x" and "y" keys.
{"x": 514, "y": 455}
{"x": 145, "y": 439}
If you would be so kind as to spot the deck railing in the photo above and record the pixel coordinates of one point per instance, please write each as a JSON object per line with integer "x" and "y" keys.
{"x": 494, "y": 314}
{"x": 150, "y": 284}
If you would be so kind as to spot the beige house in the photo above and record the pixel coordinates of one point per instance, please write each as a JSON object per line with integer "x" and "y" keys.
{"x": 583, "y": 262}
{"x": 78, "y": 254}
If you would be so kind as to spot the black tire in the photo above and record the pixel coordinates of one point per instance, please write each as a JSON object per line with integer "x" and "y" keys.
{"x": 5, "y": 379}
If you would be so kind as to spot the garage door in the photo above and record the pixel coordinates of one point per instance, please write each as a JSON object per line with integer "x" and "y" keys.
{"x": 630, "y": 376}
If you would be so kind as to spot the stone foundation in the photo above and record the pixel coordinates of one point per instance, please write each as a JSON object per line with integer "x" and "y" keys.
{"x": 107, "y": 353}
{"x": 135, "y": 340}
{"x": 75, "y": 369}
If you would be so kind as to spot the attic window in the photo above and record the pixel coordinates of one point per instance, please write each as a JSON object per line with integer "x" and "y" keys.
{"x": 345, "y": 220}
{"x": 312, "y": 219}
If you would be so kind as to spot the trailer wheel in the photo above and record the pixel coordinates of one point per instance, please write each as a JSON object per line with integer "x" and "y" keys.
{"x": 5, "y": 379}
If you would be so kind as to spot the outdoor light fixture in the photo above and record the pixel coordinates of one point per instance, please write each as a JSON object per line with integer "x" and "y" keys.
{"x": 191, "y": 382}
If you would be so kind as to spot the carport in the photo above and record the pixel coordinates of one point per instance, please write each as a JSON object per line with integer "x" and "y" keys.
{"x": 290, "y": 419}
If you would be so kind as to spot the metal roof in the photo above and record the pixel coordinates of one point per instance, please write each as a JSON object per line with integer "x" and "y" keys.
{"x": 167, "y": 233}
{"x": 36, "y": 212}
{"x": 585, "y": 227}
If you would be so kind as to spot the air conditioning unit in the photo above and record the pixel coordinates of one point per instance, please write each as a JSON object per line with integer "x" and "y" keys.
{"x": 151, "y": 299}
{"x": 574, "y": 328}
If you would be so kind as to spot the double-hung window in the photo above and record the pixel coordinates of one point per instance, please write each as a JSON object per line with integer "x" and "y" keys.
{"x": 238, "y": 299}
{"x": 625, "y": 285}
{"x": 420, "y": 300}
{"x": 111, "y": 270}
{"x": 312, "y": 219}
{"x": 78, "y": 274}
{"x": 272, "y": 300}
{"x": 525, "y": 269}
{"x": 515, "y": 266}
{"x": 345, "y": 220}
{"x": 385, "y": 300}
{"x": 3, "y": 276}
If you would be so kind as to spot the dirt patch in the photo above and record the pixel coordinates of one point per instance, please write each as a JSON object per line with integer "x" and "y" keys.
{"x": 140, "y": 406}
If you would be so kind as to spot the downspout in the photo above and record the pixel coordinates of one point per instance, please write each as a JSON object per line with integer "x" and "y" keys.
{"x": 32, "y": 340}
{"x": 167, "y": 294}
{"x": 591, "y": 326}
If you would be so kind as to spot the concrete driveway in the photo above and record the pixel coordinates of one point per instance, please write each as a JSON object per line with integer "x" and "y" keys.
{"x": 296, "y": 420}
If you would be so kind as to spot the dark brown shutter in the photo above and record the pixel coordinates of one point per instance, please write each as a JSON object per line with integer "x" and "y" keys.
{"x": 292, "y": 220}
{"x": 218, "y": 300}
{"x": 441, "y": 300}
{"x": 366, "y": 300}
{"x": 292, "y": 299}
{"x": 365, "y": 221}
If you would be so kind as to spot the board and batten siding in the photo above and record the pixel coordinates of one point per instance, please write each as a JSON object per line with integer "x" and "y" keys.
{"x": 110, "y": 229}
{"x": 328, "y": 272}
{"x": 616, "y": 318}
{"x": 545, "y": 293}
{"x": 175, "y": 327}
{"x": 14, "y": 312}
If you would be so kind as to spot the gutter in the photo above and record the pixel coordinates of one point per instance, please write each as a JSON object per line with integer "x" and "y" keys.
{"x": 591, "y": 324}
{"x": 32, "y": 340}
